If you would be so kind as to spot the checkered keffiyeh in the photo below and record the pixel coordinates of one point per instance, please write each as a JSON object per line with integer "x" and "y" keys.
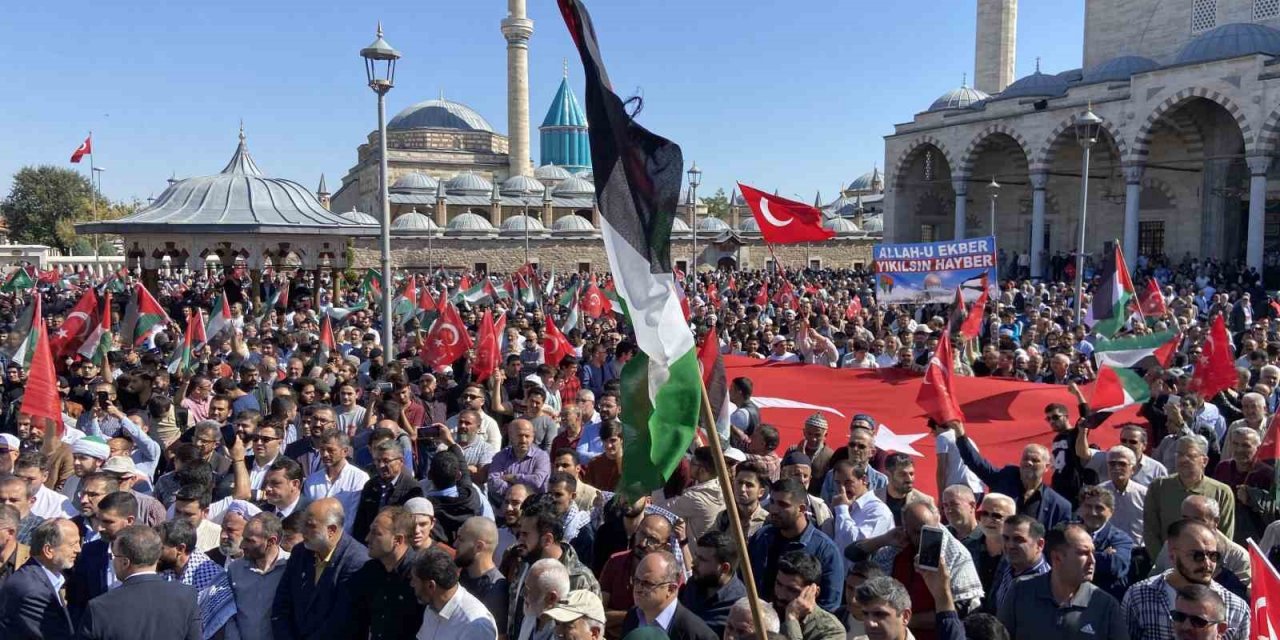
{"x": 217, "y": 602}
{"x": 965, "y": 584}
{"x": 1146, "y": 607}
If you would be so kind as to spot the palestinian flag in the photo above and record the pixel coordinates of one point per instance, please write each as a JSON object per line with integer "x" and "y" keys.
{"x": 341, "y": 313}
{"x": 715, "y": 381}
{"x": 405, "y": 305}
{"x": 327, "y": 344}
{"x": 100, "y": 342}
{"x": 143, "y": 317}
{"x": 41, "y": 400}
{"x": 570, "y": 293}
{"x": 219, "y": 317}
{"x": 184, "y": 362}
{"x": 549, "y": 287}
{"x": 1110, "y": 308}
{"x": 371, "y": 285}
{"x": 473, "y": 293}
{"x": 1121, "y": 364}
{"x": 527, "y": 295}
{"x": 637, "y": 178}
{"x": 35, "y": 333}
{"x": 18, "y": 337}
{"x": 19, "y": 280}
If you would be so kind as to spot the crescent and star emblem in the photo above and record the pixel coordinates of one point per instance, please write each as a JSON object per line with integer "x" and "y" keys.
{"x": 768, "y": 215}
{"x": 452, "y": 331}
{"x": 84, "y": 326}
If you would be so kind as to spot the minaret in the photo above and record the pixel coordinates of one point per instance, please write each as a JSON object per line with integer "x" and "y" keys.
{"x": 322, "y": 193}
{"x": 997, "y": 38}
{"x": 517, "y": 29}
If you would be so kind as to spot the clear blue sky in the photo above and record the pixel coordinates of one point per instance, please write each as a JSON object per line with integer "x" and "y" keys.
{"x": 792, "y": 96}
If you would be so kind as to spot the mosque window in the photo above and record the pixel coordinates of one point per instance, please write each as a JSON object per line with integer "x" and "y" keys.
{"x": 1266, "y": 9}
{"x": 1151, "y": 238}
{"x": 1204, "y": 15}
{"x": 928, "y": 233}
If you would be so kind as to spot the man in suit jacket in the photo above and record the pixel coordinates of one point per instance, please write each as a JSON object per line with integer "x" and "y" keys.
{"x": 93, "y": 574}
{"x": 30, "y": 606}
{"x": 657, "y": 585}
{"x": 315, "y": 599}
{"x": 391, "y": 487}
{"x": 144, "y": 606}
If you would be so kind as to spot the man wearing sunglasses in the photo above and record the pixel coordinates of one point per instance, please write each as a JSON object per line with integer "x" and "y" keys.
{"x": 1194, "y": 552}
{"x": 1234, "y": 571}
{"x": 1198, "y": 614}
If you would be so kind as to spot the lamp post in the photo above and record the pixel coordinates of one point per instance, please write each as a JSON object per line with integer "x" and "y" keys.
{"x": 97, "y": 190}
{"x": 695, "y": 179}
{"x": 380, "y": 68}
{"x": 1087, "y": 128}
{"x": 994, "y": 190}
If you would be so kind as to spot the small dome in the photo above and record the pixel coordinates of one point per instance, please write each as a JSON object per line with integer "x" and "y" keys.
{"x": 585, "y": 174}
{"x": 469, "y": 224}
{"x": 1036, "y": 85}
{"x": 551, "y": 172}
{"x": 575, "y": 186}
{"x": 521, "y": 186}
{"x": 712, "y": 225}
{"x": 414, "y": 222}
{"x": 680, "y": 228}
{"x": 1120, "y": 69}
{"x": 520, "y": 221}
{"x": 572, "y": 224}
{"x": 1071, "y": 76}
{"x": 359, "y": 217}
{"x": 1230, "y": 41}
{"x": 414, "y": 183}
{"x": 749, "y": 225}
{"x": 873, "y": 225}
{"x": 439, "y": 114}
{"x": 468, "y": 183}
{"x": 866, "y": 181}
{"x": 842, "y": 226}
{"x": 959, "y": 98}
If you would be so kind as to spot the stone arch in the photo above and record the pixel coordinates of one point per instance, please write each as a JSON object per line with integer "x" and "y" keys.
{"x": 1163, "y": 188}
{"x": 900, "y": 164}
{"x": 1142, "y": 139}
{"x": 977, "y": 143}
{"x": 1048, "y": 150}
{"x": 1269, "y": 134}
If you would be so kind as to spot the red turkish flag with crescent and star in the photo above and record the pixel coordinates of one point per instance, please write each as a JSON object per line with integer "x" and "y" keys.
{"x": 1264, "y": 619}
{"x": 85, "y": 148}
{"x": 82, "y": 320}
{"x": 784, "y": 221}
{"x": 936, "y": 395}
{"x": 593, "y": 301}
{"x": 448, "y": 338}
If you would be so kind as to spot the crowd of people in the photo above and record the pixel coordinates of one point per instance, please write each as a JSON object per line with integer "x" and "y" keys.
{"x": 277, "y": 489}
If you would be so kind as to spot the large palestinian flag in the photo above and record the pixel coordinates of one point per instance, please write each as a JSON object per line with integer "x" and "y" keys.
{"x": 143, "y": 317}
{"x": 637, "y": 178}
{"x": 1121, "y": 365}
{"x": 1110, "y": 307}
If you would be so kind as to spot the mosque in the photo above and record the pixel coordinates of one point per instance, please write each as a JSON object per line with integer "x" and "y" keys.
{"x": 1188, "y": 94}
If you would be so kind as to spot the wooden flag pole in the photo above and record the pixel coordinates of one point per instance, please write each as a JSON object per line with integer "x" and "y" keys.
{"x": 731, "y": 509}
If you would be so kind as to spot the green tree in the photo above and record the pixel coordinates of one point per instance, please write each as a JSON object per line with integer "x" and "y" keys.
{"x": 45, "y": 202}
{"x": 717, "y": 205}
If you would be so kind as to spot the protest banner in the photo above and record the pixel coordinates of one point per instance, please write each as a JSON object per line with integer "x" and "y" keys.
{"x": 932, "y": 271}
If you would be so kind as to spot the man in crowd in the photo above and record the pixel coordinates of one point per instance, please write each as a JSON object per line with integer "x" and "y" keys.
{"x": 700, "y": 503}
{"x": 255, "y": 576}
{"x": 795, "y": 599}
{"x": 180, "y": 561}
{"x": 789, "y": 529}
{"x": 750, "y": 485}
{"x": 315, "y": 599}
{"x": 392, "y": 485}
{"x": 578, "y": 617}
{"x": 859, "y": 451}
{"x": 450, "y": 611}
{"x": 338, "y": 479}
{"x": 145, "y": 604}
{"x": 476, "y": 542}
{"x": 1163, "y": 505}
{"x": 1023, "y": 557}
{"x": 282, "y": 488}
{"x": 519, "y": 462}
{"x": 1064, "y": 603}
{"x": 656, "y": 585}
{"x": 385, "y": 606}
{"x": 1113, "y": 547}
{"x": 859, "y": 512}
{"x": 542, "y": 538}
{"x": 31, "y": 607}
{"x": 1023, "y": 482}
{"x": 1234, "y": 570}
{"x": 714, "y": 587}
{"x": 93, "y": 573}
{"x": 1130, "y": 497}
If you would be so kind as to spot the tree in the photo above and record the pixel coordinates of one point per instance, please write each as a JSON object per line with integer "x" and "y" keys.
{"x": 717, "y": 205}
{"x": 46, "y": 202}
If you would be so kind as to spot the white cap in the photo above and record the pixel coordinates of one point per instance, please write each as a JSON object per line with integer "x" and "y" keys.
{"x": 735, "y": 454}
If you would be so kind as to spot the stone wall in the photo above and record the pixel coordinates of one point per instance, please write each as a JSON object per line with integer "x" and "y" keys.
{"x": 1156, "y": 29}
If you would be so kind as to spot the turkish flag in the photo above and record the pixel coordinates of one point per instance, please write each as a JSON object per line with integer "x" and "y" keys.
{"x": 713, "y": 295}
{"x": 784, "y": 221}
{"x": 972, "y": 325}
{"x": 1151, "y": 300}
{"x": 1264, "y": 622}
{"x": 82, "y": 319}
{"x": 487, "y": 351}
{"x": 554, "y": 345}
{"x": 85, "y": 148}
{"x": 936, "y": 396}
{"x": 1216, "y": 368}
{"x": 854, "y": 309}
{"x": 787, "y": 297}
{"x": 593, "y": 301}
{"x": 762, "y": 298}
{"x": 447, "y": 340}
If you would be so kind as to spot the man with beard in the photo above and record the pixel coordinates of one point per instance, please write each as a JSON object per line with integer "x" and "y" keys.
{"x": 815, "y": 447}
{"x": 87, "y": 454}
{"x": 231, "y": 537}
{"x": 255, "y": 577}
{"x": 749, "y": 487}
{"x": 96, "y": 486}
{"x": 545, "y": 583}
{"x": 1234, "y": 570}
{"x": 563, "y": 489}
{"x": 590, "y": 444}
{"x": 653, "y": 534}
{"x": 520, "y": 462}
{"x": 1023, "y": 482}
{"x": 789, "y": 529}
{"x": 33, "y": 467}
{"x": 316, "y": 596}
{"x": 901, "y": 490}
{"x": 859, "y": 451}
{"x": 795, "y": 600}
{"x": 480, "y": 577}
{"x": 30, "y": 607}
{"x": 541, "y": 538}
{"x": 392, "y": 486}
{"x": 509, "y": 525}
{"x": 57, "y": 453}
{"x": 454, "y": 497}
{"x": 181, "y": 562}
{"x": 1193, "y": 547}
{"x": 1063, "y": 604}
{"x": 714, "y": 587}
{"x": 92, "y": 574}
{"x": 385, "y": 606}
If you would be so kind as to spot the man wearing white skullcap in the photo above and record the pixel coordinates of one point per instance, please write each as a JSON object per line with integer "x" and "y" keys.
{"x": 88, "y": 453}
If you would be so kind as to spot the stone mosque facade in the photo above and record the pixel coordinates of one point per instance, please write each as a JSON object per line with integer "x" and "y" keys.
{"x": 464, "y": 196}
{"x": 1188, "y": 92}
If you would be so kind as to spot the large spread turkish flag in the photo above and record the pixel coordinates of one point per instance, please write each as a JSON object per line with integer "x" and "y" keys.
{"x": 784, "y": 221}
{"x": 1002, "y": 416}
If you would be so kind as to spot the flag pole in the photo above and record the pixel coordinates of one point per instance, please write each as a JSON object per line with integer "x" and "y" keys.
{"x": 93, "y": 195}
{"x": 731, "y": 509}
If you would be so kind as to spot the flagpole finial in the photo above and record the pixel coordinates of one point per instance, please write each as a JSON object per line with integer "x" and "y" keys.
{"x": 241, "y": 129}
{"x": 379, "y": 27}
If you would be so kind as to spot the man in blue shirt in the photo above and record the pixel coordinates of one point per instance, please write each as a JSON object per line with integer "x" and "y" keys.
{"x": 789, "y": 529}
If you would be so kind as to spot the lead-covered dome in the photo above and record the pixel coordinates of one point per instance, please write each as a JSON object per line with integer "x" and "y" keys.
{"x": 680, "y": 228}
{"x": 749, "y": 225}
{"x": 414, "y": 183}
{"x": 469, "y": 224}
{"x": 468, "y": 183}
{"x": 414, "y": 223}
{"x": 521, "y": 186}
{"x": 1230, "y": 41}
{"x": 572, "y": 224}
{"x": 1036, "y": 85}
{"x": 575, "y": 186}
{"x": 517, "y": 224}
{"x": 359, "y": 217}
{"x": 1119, "y": 69}
{"x": 439, "y": 114}
{"x": 710, "y": 224}
{"x": 873, "y": 224}
{"x": 867, "y": 181}
{"x": 552, "y": 172}
{"x": 962, "y": 97}
{"x": 841, "y": 226}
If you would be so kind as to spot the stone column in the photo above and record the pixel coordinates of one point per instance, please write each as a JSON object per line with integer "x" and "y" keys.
{"x": 961, "y": 186}
{"x": 1132, "y": 204}
{"x": 1258, "y": 166}
{"x": 1039, "y": 182}
{"x": 517, "y": 29}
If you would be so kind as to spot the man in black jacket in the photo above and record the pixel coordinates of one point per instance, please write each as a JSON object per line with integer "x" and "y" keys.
{"x": 656, "y": 584}
{"x": 319, "y": 607}
{"x": 29, "y": 605}
{"x": 392, "y": 486}
{"x": 454, "y": 497}
{"x": 144, "y": 605}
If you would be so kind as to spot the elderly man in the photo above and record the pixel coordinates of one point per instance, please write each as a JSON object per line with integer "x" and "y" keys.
{"x": 578, "y": 617}
{"x": 859, "y": 451}
{"x": 653, "y": 534}
{"x": 392, "y": 486}
{"x": 1252, "y": 479}
{"x": 960, "y": 506}
{"x": 1114, "y": 547}
{"x": 15, "y": 492}
{"x": 741, "y": 624}
{"x": 859, "y": 512}
{"x": 988, "y": 553}
{"x": 315, "y": 599}
{"x": 1235, "y": 571}
{"x": 1254, "y": 407}
{"x": 1130, "y": 496}
{"x": 255, "y": 576}
{"x": 30, "y": 606}
{"x": 1146, "y": 469}
{"x": 655, "y": 585}
{"x": 815, "y": 447}
{"x": 1064, "y": 603}
{"x": 1165, "y": 496}
{"x": 520, "y": 462}
{"x": 1193, "y": 548}
{"x": 1024, "y": 481}
{"x": 541, "y": 537}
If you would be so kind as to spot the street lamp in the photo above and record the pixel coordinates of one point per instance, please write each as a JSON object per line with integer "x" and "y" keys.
{"x": 380, "y": 68}
{"x": 97, "y": 190}
{"x": 1087, "y": 128}
{"x": 994, "y": 190}
{"x": 695, "y": 179}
